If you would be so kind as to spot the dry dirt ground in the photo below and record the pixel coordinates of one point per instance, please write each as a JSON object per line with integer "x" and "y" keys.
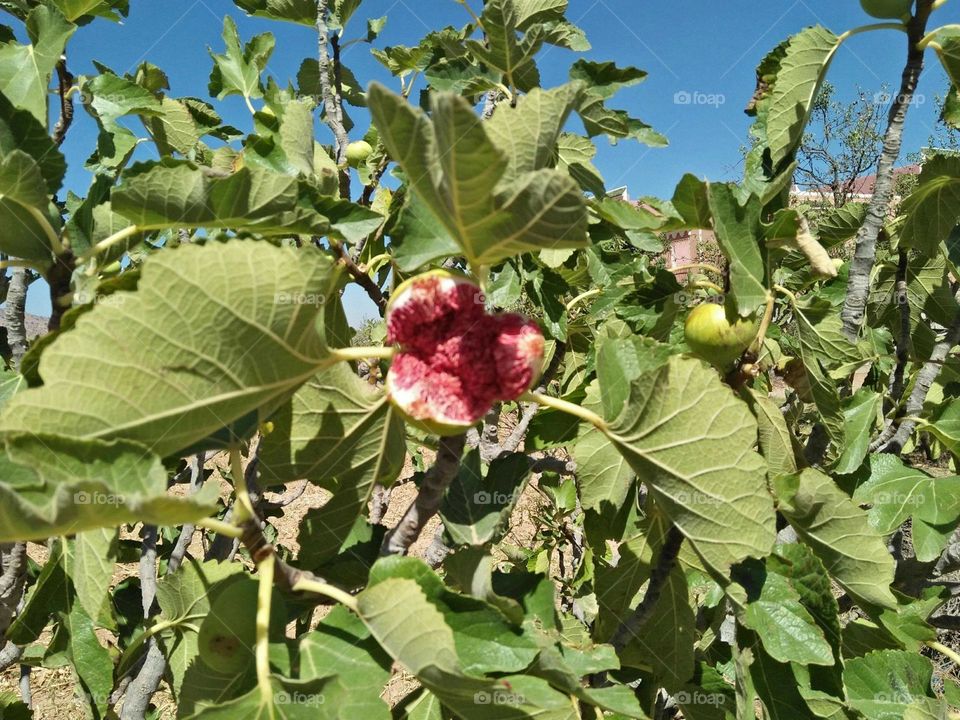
{"x": 54, "y": 690}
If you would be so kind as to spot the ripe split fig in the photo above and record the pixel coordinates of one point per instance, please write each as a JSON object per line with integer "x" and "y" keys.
{"x": 455, "y": 359}
{"x": 716, "y": 335}
{"x": 888, "y": 9}
{"x": 358, "y": 152}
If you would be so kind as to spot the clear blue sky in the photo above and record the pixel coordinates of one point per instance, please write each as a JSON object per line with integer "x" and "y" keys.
{"x": 696, "y": 47}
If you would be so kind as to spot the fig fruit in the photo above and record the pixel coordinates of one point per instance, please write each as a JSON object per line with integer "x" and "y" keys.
{"x": 716, "y": 335}
{"x": 358, "y": 152}
{"x": 228, "y": 633}
{"x": 455, "y": 359}
{"x": 888, "y": 9}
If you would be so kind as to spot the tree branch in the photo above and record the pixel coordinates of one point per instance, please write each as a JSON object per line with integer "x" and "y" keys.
{"x": 9, "y": 655}
{"x": 658, "y": 579}
{"x": 435, "y": 482}
{"x": 895, "y": 437}
{"x": 360, "y": 277}
{"x": 858, "y": 287}
{"x": 14, "y": 311}
{"x": 903, "y": 336}
{"x": 139, "y": 690}
{"x": 549, "y": 463}
{"x": 64, "y": 83}
{"x": 13, "y": 574}
{"x": 332, "y": 109}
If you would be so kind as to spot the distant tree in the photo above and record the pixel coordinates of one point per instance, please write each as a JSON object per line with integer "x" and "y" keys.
{"x": 842, "y": 143}
{"x": 946, "y": 133}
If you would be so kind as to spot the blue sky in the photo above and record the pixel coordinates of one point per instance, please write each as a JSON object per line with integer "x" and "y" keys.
{"x": 702, "y": 49}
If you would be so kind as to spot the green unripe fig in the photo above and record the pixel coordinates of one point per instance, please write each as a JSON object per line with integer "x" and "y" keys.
{"x": 111, "y": 269}
{"x": 718, "y": 336}
{"x": 228, "y": 633}
{"x": 358, "y": 152}
{"x": 887, "y": 9}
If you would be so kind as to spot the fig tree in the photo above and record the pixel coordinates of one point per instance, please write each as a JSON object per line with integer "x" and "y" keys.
{"x": 717, "y": 336}
{"x": 888, "y": 9}
{"x": 358, "y": 152}
{"x": 455, "y": 360}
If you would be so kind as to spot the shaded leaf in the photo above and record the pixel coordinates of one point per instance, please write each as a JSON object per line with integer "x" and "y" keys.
{"x": 214, "y": 339}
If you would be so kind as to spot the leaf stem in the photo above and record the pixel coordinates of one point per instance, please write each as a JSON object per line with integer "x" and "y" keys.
{"x": 55, "y": 246}
{"x": 870, "y": 28}
{"x": 220, "y": 527}
{"x": 696, "y": 266}
{"x": 250, "y": 107}
{"x": 245, "y": 511}
{"x": 706, "y": 285}
{"x": 471, "y": 12}
{"x": 583, "y": 296}
{"x": 944, "y": 650}
{"x": 757, "y": 344}
{"x": 264, "y": 598}
{"x": 927, "y": 40}
{"x": 371, "y": 264}
{"x": 789, "y": 295}
{"x": 363, "y": 353}
{"x": 14, "y": 263}
{"x": 318, "y": 587}
{"x": 109, "y": 242}
{"x": 567, "y": 407}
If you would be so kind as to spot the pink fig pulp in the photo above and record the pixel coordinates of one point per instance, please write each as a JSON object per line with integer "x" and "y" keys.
{"x": 455, "y": 360}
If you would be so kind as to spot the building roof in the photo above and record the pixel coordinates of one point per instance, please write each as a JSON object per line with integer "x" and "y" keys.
{"x": 864, "y": 186}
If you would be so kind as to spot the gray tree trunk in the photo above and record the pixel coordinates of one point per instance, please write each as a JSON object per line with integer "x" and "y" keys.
{"x": 14, "y": 313}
